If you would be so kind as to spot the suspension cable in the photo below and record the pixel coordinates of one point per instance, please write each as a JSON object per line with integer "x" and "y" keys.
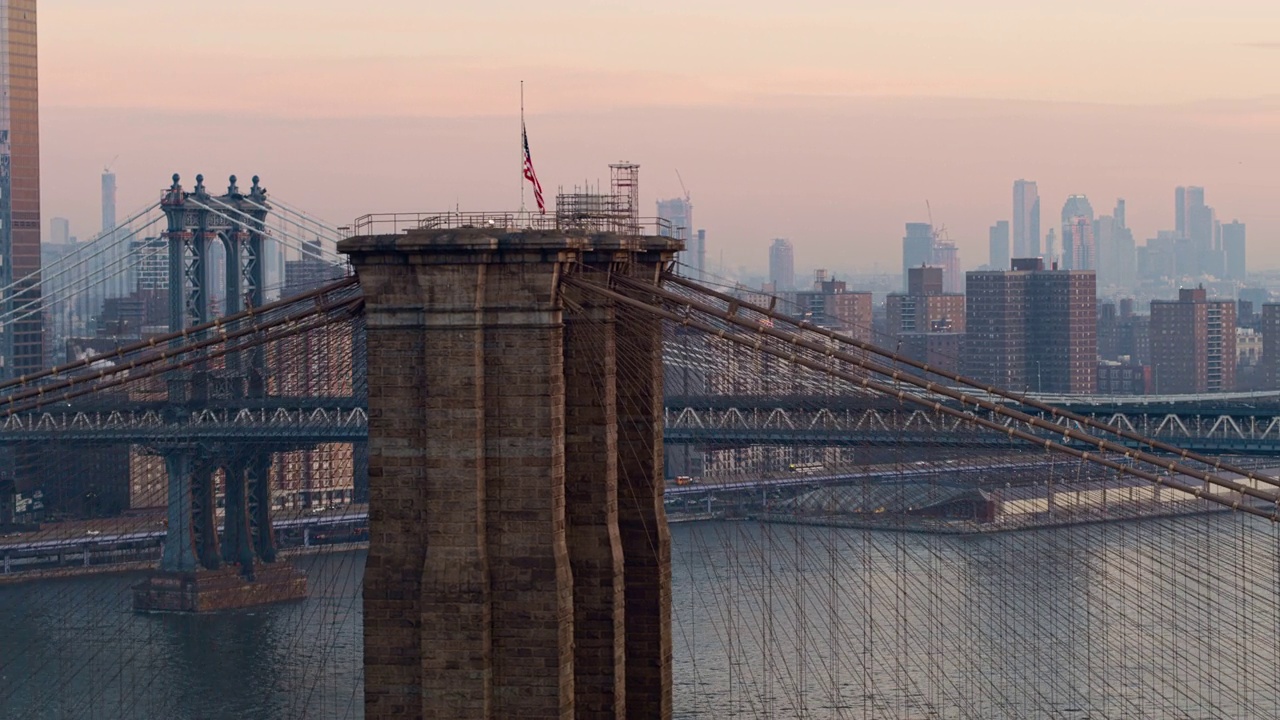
{"x": 1025, "y": 400}
{"x": 964, "y": 399}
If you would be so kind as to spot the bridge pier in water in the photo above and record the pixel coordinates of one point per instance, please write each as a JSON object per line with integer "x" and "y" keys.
{"x": 519, "y": 562}
{"x": 198, "y": 572}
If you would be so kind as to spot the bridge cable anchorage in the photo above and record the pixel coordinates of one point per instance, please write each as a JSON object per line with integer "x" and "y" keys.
{"x": 184, "y": 334}
{"x": 903, "y": 396}
{"x": 990, "y": 390}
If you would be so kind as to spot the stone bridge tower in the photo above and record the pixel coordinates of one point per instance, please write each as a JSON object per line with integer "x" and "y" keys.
{"x": 519, "y": 561}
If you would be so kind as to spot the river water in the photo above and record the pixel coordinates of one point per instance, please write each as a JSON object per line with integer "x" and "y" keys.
{"x": 770, "y": 621}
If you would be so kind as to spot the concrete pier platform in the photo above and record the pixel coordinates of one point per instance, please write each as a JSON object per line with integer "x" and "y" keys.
{"x": 215, "y": 590}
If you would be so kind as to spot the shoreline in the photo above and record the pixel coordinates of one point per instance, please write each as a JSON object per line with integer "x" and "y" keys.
{"x": 23, "y": 577}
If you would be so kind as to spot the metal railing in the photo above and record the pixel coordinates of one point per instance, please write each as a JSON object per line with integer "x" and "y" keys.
{"x": 396, "y": 223}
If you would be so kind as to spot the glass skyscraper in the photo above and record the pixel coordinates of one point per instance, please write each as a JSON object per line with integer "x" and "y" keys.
{"x": 21, "y": 336}
{"x": 1026, "y": 220}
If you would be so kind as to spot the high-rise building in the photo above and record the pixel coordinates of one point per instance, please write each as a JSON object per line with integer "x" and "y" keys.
{"x": 108, "y": 200}
{"x": 152, "y": 255}
{"x": 1116, "y": 250}
{"x": 60, "y": 231}
{"x": 117, "y": 269}
{"x": 1270, "y": 363}
{"x": 947, "y": 256}
{"x": 1026, "y": 219}
{"x": 1051, "y": 248}
{"x": 1193, "y": 344}
{"x": 782, "y": 265}
{"x": 311, "y": 272}
{"x": 831, "y": 304}
{"x": 926, "y": 322}
{"x": 1199, "y": 254}
{"x": 1029, "y": 328}
{"x": 998, "y": 246}
{"x": 917, "y": 248}
{"x": 698, "y": 253}
{"x": 1079, "y": 251}
{"x": 1233, "y": 250}
{"x": 21, "y": 338}
{"x": 1188, "y": 206}
{"x": 925, "y": 306}
{"x": 678, "y": 212}
{"x": 1180, "y": 211}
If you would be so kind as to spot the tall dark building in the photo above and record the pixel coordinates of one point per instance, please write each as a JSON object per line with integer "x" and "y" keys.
{"x": 21, "y": 342}
{"x": 1026, "y": 219}
{"x": 1032, "y": 329}
{"x": 998, "y": 246}
{"x": 1233, "y": 248}
{"x": 917, "y": 248}
{"x": 782, "y": 265}
{"x": 1193, "y": 344}
{"x": 1270, "y": 363}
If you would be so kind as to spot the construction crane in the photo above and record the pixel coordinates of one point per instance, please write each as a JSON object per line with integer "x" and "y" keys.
{"x": 107, "y": 168}
{"x": 682, "y": 187}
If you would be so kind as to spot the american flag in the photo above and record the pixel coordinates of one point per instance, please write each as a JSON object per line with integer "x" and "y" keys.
{"x": 529, "y": 174}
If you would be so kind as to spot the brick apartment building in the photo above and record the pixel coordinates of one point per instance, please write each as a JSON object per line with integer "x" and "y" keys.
{"x": 1193, "y": 344}
{"x": 1032, "y": 329}
{"x": 926, "y": 323}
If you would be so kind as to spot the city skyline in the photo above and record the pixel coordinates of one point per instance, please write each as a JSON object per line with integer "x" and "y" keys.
{"x": 870, "y": 155}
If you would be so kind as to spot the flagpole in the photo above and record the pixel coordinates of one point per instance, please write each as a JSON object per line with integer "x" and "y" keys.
{"x": 522, "y": 148}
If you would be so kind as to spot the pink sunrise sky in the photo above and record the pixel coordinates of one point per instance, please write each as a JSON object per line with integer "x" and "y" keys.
{"x": 826, "y": 122}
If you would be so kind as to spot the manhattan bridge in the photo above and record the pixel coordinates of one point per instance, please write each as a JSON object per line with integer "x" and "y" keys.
{"x": 500, "y": 464}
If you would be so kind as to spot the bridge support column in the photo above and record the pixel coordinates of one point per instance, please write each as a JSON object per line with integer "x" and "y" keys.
{"x": 591, "y": 506}
{"x": 204, "y": 494}
{"x": 237, "y": 546}
{"x": 258, "y": 488}
{"x": 642, "y": 518}
{"x": 179, "y": 553}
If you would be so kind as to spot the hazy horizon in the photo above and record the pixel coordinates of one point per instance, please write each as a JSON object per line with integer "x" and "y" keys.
{"x": 827, "y": 123}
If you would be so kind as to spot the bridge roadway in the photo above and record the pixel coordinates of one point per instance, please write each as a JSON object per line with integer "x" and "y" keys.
{"x": 283, "y": 423}
{"x": 1238, "y": 424}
